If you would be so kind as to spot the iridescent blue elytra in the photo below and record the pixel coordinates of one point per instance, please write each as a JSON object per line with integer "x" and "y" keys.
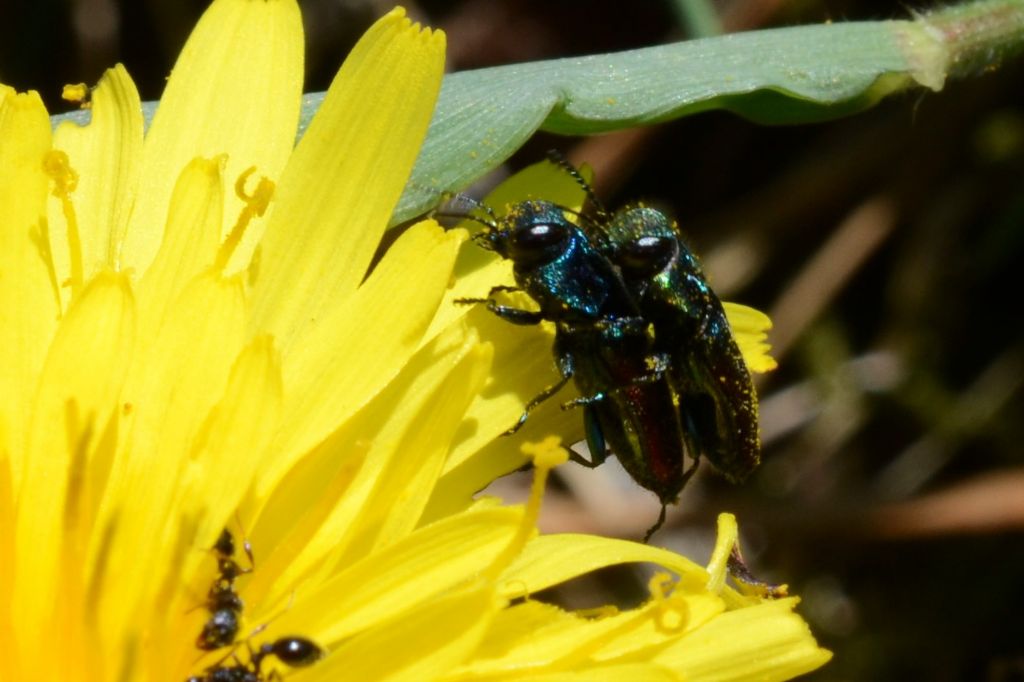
{"x": 601, "y": 341}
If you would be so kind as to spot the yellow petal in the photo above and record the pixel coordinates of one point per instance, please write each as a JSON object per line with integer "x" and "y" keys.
{"x": 418, "y": 645}
{"x": 429, "y": 562}
{"x": 236, "y": 90}
{"x": 346, "y": 175}
{"x": 82, "y": 377}
{"x": 291, "y": 523}
{"x": 341, "y": 367}
{"x": 634, "y": 672}
{"x": 725, "y": 540}
{"x": 551, "y": 559}
{"x": 28, "y": 295}
{"x": 524, "y": 366}
{"x": 539, "y": 636}
{"x": 190, "y": 240}
{"x": 658, "y": 621}
{"x": 180, "y": 377}
{"x": 750, "y": 329}
{"x": 763, "y": 642}
{"x": 401, "y": 495}
{"x": 106, "y": 155}
{"x": 8, "y": 664}
{"x": 236, "y": 441}
{"x": 407, "y": 430}
{"x": 232, "y": 445}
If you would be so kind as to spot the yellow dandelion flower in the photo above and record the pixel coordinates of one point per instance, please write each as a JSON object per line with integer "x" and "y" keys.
{"x": 191, "y": 343}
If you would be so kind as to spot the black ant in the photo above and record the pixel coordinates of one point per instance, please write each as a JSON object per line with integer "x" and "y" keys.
{"x": 223, "y": 603}
{"x": 295, "y": 652}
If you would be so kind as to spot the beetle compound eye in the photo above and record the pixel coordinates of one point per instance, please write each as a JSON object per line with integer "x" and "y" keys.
{"x": 538, "y": 243}
{"x": 543, "y": 235}
{"x": 646, "y": 256}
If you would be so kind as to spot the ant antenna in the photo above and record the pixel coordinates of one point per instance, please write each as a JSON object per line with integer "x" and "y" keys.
{"x": 246, "y": 545}
{"x": 556, "y": 157}
{"x": 265, "y": 624}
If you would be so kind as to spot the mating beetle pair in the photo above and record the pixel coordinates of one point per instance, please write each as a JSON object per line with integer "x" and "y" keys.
{"x": 639, "y": 330}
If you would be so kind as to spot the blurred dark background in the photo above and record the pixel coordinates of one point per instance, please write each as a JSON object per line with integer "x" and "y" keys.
{"x": 885, "y": 246}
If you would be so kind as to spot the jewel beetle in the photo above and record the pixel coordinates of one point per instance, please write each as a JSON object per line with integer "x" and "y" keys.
{"x": 602, "y": 342}
{"x": 717, "y": 399}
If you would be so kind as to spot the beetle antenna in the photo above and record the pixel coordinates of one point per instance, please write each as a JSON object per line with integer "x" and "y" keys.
{"x": 470, "y": 210}
{"x": 594, "y": 229}
{"x": 556, "y": 157}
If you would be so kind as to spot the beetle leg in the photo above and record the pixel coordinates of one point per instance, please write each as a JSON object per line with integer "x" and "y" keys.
{"x": 584, "y": 401}
{"x": 575, "y": 456}
{"x": 657, "y": 524}
{"x": 591, "y": 463}
{"x": 515, "y": 315}
{"x": 507, "y": 313}
{"x": 595, "y": 442}
{"x": 471, "y": 301}
{"x": 537, "y": 400}
{"x": 687, "y": 475}
{"x": 504, "y": 288}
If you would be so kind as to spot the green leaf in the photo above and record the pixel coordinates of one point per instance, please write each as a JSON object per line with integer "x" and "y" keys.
{"x": 786, "y": 75}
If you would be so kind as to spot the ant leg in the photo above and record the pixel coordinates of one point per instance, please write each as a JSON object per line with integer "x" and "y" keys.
{"x": 232, "y": 653}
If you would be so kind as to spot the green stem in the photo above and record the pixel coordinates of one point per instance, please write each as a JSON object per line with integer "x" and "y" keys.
{"x": 963, "y": 40}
